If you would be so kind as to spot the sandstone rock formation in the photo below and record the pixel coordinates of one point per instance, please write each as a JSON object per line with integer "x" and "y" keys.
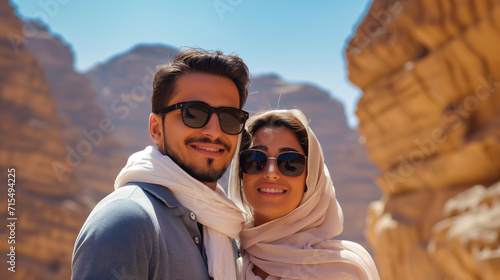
{"x": 466, "y": 242}
{"x": 430, "y": 73}
{"x": 89, "y": 134}
{"x": 126, "y": 79}
{"x": 60, "y": 142}
{"x": 47, "y": 209}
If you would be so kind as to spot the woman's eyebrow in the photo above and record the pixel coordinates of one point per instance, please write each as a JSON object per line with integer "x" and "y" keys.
{"x": 259, "y": 147}
{"x": 281, "y": 150}
{"x": 287, "y": 149}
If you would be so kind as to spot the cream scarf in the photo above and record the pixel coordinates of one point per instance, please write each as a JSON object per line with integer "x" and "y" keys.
{"x": 221, "y": 219}
{"x": 299, "y": 245}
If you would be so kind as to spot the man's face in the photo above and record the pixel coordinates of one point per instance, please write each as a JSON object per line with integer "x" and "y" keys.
{"x": 206, "y": 152}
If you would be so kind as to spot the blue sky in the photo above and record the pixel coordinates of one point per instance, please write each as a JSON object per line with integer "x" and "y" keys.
{"x": 302, "y": 41}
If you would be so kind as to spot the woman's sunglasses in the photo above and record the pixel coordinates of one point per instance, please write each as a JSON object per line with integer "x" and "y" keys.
{"x": 196, "y": 114}
{"x": 289, "y": 163}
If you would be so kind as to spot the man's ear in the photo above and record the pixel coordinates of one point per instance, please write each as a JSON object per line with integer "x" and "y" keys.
{"x": 155, "y": 129}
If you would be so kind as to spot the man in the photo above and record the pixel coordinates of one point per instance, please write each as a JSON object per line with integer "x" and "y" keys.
{"x": 168, "y": 218}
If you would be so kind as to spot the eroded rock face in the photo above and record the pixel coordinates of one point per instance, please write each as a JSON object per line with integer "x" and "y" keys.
{"x": 93, "y": 154}
{"x": 466, "y": 243}
{"x": 430, "y": 73}
{"x": 48, "y": 210}
{"x": 60, "y": 142}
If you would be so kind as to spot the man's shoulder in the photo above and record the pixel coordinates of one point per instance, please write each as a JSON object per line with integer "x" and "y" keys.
{"x": 120, "y": 232}
{"x": 143, "y": 192}
{"x": 125, "y": 200}
{"x": 127, "y": 208}
{"x": 132, "y": 192}
{"x": 136, "y": 194}
{"x": 133, "y": 227}
{"x": 137, "y": 203}
{"x": 114, "y": 214}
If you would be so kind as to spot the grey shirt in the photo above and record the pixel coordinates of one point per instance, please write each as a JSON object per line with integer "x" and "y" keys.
{"x": 140, "y": 231}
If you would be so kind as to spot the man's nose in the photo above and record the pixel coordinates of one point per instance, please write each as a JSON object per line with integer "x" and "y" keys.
{"x": 212, "y": 129}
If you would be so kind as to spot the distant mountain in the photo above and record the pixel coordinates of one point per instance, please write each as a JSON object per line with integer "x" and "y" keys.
{"x": 124, "y": 85}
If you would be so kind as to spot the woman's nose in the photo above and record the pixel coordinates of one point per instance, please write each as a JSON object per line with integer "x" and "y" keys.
{"x": 271, "y": 171}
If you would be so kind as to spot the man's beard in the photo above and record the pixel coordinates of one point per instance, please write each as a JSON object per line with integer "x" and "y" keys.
{"x": 208, "y": 175}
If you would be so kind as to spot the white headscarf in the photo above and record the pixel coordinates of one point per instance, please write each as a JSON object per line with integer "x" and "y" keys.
{"x": 299, "y": 245}
{"x": 221, "y": 219}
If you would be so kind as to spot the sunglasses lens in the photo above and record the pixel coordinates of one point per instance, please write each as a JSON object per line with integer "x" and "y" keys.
{"x": 252, "y": 162}
{"x": 291, "y": 164}
{"x": 195, "y": 115}
{"x": 231, "y": 120}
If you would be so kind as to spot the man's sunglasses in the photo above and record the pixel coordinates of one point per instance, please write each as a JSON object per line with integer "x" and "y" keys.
{"x": 196, "y": 114}
{"x": 289, "y": 163}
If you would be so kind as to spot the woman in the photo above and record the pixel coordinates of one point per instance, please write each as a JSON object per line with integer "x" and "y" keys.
{"x": 281, "y": 183}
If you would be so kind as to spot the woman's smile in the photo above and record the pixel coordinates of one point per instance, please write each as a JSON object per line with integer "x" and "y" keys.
{"x": 271, "y": 190}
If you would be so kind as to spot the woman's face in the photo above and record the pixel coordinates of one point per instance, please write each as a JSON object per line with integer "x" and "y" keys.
{"x": 270, "y": 193}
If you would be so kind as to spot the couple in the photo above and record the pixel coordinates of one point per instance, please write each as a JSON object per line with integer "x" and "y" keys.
{"x": 169, "y": 219}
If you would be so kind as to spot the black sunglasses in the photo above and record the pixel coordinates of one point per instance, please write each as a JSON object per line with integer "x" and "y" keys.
{"x": 196, "y": 114}
{"x": 289, "y": 163}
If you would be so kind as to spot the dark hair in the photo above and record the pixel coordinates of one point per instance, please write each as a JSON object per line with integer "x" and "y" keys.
{"x": 275, "y": 119}
{"x": 198, "y": 61}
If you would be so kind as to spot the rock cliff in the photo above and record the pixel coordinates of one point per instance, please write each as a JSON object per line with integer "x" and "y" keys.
{"x": 60, "y": 142}
{"x": 89, "y": 134}
{"x": 126, "y": 79}
{"x": 48, "y": 210}
{"x": 430, "y": 75}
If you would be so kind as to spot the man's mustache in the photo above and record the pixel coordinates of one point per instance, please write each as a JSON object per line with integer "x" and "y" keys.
{"x": 217, "y": 141}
